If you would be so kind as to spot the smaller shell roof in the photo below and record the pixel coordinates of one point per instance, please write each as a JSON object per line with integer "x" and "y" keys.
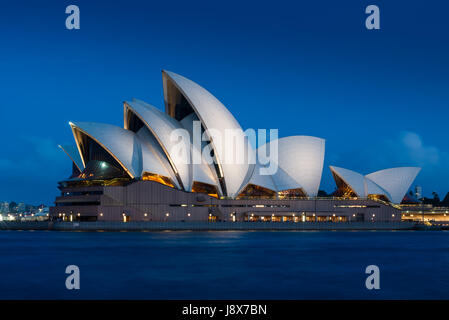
{"x": 125, "y": 146}
{"x": 353, "y": 179}
{"x": 300, "y": 163}
{"x": 396, "y": 181}
{"x": 162, "y": 126}
{"x": 393, "y": 182}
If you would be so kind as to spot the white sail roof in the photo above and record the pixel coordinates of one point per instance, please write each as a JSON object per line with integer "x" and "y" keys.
{"x": 214, "y": 116}
{"x": 123, "y": 145}
{"x": 392, "y": 183}
{"x": 161, "y": 127}
{"x": 353, "y": 179}
{"x": 300, "y": 163}
{"x": 396, "y": 181}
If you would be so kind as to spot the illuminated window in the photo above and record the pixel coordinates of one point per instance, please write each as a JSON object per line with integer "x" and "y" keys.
{"x": 206, "y": 188}
{"x": 255, "y": 191}
{"x": 147, "y": 176}
{"x": 292, "y": 194}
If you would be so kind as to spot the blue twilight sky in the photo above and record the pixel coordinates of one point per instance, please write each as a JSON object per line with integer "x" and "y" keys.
{"x": 380, "y": 98}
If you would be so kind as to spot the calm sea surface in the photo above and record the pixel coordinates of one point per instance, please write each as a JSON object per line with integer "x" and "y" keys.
{"x": 224, "y": 265}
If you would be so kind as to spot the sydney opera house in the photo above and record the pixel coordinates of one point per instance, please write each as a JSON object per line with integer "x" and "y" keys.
{"x": 139, "y": 172}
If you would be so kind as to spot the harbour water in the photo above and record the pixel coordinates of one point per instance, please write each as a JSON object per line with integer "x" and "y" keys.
{"x": 224, "y": 264}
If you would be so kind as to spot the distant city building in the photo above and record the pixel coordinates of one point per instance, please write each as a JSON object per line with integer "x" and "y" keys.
{"x": 4, "y": 207}
{"x": 20, "y": 208}
{"x": 135, "y": 174}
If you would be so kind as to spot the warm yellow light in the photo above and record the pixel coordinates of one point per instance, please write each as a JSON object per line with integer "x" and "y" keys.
{"x": 157, "y": 178}
{"x": 167, "y": 214}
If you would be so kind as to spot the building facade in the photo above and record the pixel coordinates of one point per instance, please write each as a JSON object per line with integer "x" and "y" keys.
{"x": 153, "y": 201}
{"x": 155, "y": 168}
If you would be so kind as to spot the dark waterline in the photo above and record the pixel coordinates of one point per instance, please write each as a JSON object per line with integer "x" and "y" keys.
{"x": 224, "y": 265}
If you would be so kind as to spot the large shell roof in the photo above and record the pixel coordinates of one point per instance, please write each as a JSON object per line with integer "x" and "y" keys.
{"x": 214, "y": 116}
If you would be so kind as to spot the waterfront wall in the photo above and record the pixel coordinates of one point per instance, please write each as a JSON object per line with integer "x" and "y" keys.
{"x": 206, "y": 226}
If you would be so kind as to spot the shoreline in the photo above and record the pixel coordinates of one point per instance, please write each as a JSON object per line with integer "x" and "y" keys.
{"x": 212, "y": 226}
